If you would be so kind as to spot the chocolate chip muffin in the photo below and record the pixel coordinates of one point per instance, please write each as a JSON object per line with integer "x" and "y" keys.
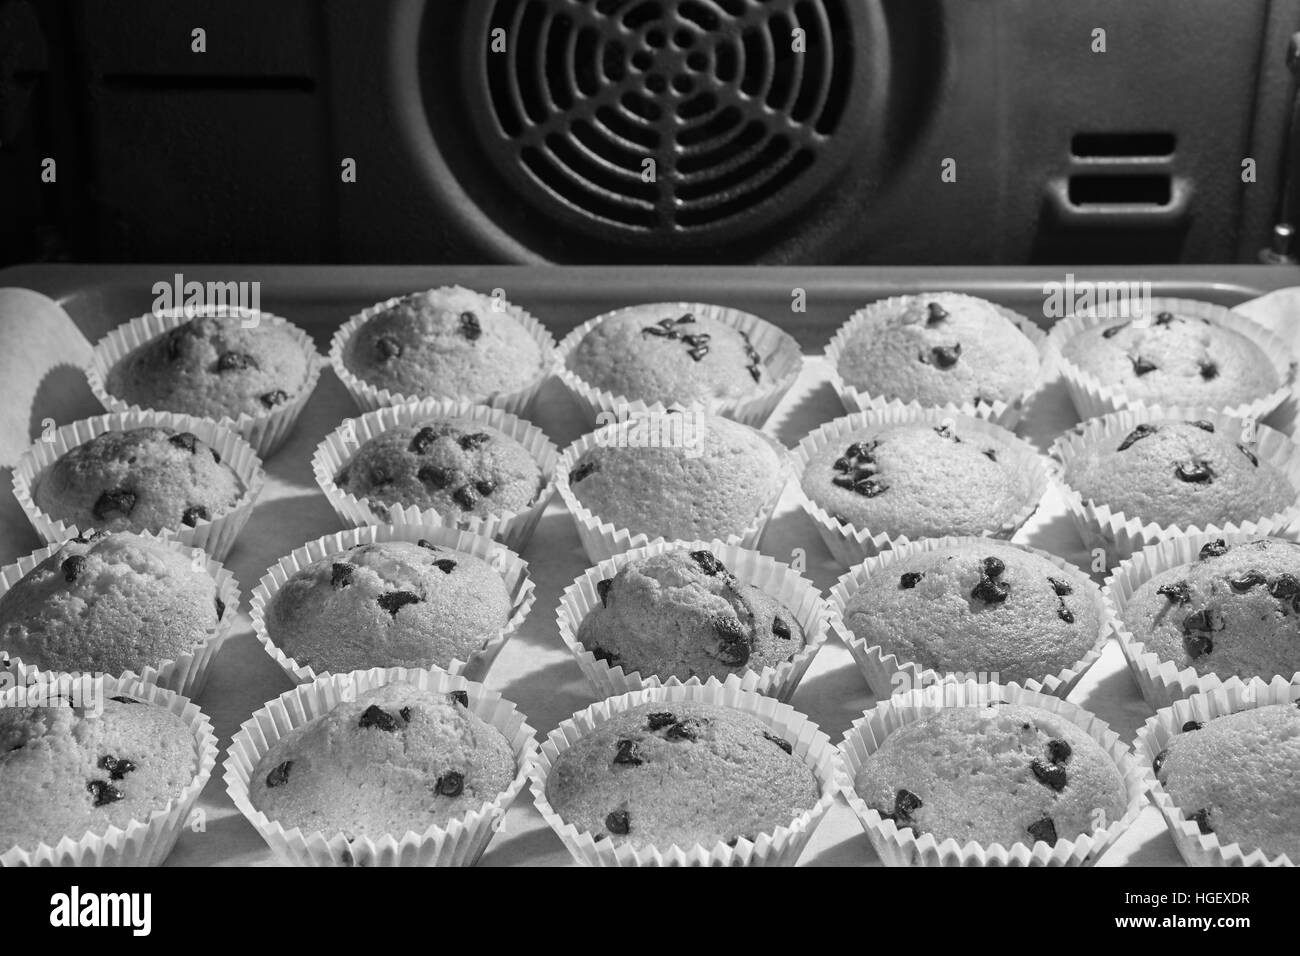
{"x": 683, "y": 614}
{"x": 390, "y": 604}
{"x": 665, "y": 353}
{"x": 1238, "y": 777}
{"x": 1180, "y": 473}
{"x": 394, "y": 760}
{"x": 939, "y": 348}
{"x": 141, "y": 479}
{"x": 444, "y": 343}
{"x": 109, "y": 603}
{"x": 457, "y": 467}
{"x": 680, "y": 773}
{"x": 214, "y": 367}
{"x": 919, "y": 480}
{"x": 1007, "y": 774}
{"x": 713, "y": 486}
{"x": 1234, "y": 612}
{"x": 992, "y": 608}
{"x": 1174, "y": 359}
{"x": 65, "y": 773}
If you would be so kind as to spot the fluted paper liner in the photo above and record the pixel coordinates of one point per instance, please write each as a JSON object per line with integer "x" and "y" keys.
{"x": 460, "y": 843}
{"x": 881, "y": 669}
{"x": 1092, "y": 397}
{"x": 265, "y": 433}
{"x": 1161, "y": 681}
{"x": 1230, "y": 697}
{"x": 603, "y": 539}
{"x": 850, "y": 544}
{"x": 907, "y": 848}
{"x": 512, "y": 528}
{"x": 1004, "y": 413}
{"x": 216, "y": 535}
{"x": 800, "y": 596}
{"x": 781, "y": 847}
{"x": 371, "y": 397}
{"x": 186, "y": 675}
{"x": 147, "y": 841}
{"x": 781, "y": 356}
{"x": 1121, "y": 535}
{"x": 512, "y": 568}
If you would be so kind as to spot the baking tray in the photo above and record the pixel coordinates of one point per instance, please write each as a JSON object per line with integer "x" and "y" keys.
{"x": 535, "y": 670}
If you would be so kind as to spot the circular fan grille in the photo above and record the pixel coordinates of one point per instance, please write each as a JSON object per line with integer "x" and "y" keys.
{"x": 666, "y": 116}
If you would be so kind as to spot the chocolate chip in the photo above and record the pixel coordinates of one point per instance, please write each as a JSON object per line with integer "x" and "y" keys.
{"x": 1203, "y": 425}
{"x": 1250, "y": 455}
{"x": 686, "y": 318}
{"x": 780, "y": 742}
{"x": 993, "y": 567}
{"x": 1191, "y": 725}
{"x": 734, "y": 651}
{"x": 581, "y": 471}
{"x": 272, "y": 399}
{"x": 1044, "y": 830}
{"x": 609, "y": 657}
{"x": 1114, "y": 330}
{"x": 659, "y": 331}
{"x": 1202, "y": 820}
{"x": 124, "y": 700}
{"x": 867, "y": 487}
{"x": 1214, "y": 549}
{"x": 115, "y": 502}
{"x": 186, "y": 440}
{"x": 618, "y": 822}
{"x": 910, "y": 580}
{"x": 476, "y": 440}
{"x": 1142, "y": 366}
{"x": 173, "y": 343}
{"x": 425, "y": 437}
{"x": 1137, "y": 434}
{"x": 660, "y": 719}
{"x": 450, "y": 784}
{"x": 394, "y": 601}
{"x": 906, "y": 803}
{"x": 465, "y": 497}
{"x": 378, "y": 718}
{"x": 1061, "y": 588}
{"x": 445, "y": 565}
{"x": 1246, "y": 581}
{"x": 485, "y": 487}
{"x": 945, "y": 431}
{"x": 1194, "y": 472}
{"x": 602, "y": 589}
{"x": 469, "y": 326}
{"x": 1165, "y": 318}
{"x": 1197, "y": 628}
{"x": 72, "y": 567}
{"x": 990, "y": 591}
{"x": 405, "y": 714}
{"x": 688, "y": 729}
{"x": 104, "y": 793}
{"x": 1209, "y": 370}
{"x": 709, "y": 563}
{"x": 192, "y": 515}
{"x": 235, "y": 362}
{"x": 698, "y": 352}
{"x": 1159, "y": 761}
{"x": 1179, "y": 592}
{"x": 1065, "y": 614}
{"x": 943, "y": 356}
{"x": 388, "y": 348}
{"x": 862, "y": 450}
{"x": 117, "y": 769}
{"x": 459, "y": 697}
{"x": 1048, "y": 775}
{"x": 435, "y": 477}
{"x": 780, "y": 629}
{"x": 627, "y": 753}
{"x": 280, "y": 775}
{"x": 842, "y": 464}
{"x": 341, "y": 574}
{"x": 991, "y": 455}
{"x": 220, "y": 606}
{"x": 1284, "y": 587}
{"x": 1059, "y": 751}
{"x": 755, "y": 372}
{"x": 937, "y": 313}
{"x": 1198, "y": 643}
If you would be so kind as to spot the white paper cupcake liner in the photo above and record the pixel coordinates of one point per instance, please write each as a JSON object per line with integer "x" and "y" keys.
{"x": 371, "y": 397}
{"x": 782, "y": 358}
{"x": 603, "y": 539}
{"x": 265, "y": 433}
{"x": 187, "y": 675}
{"x": 1121, "y": 535}
{"x": 851, "y": 545}
{"x": 1161, "y": 681}
{"x": 881, "y": 670}
{"x": 906, "y": 848}
{"x": 781, "y": 847}
{"x": 513, "y": 570}
{"x": 1230, "y": 697}
{"x": 511, "y": 528}
{"x": 783, "y": 583}
{"x": 216, "y": 536}
{"x": 460, "y": 843}
{"x": 145, "y": 842}
{"x": 1007, "y": 414}
{"x": 1093, "y": 397}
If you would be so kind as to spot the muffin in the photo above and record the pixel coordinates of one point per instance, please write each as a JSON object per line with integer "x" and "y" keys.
{"x": 1174, "y": 359}
{"x": 1234, "y": 612}
{"x": 214, "y": 367}
{"x": 65, "y": 773}
{"x": 1006, "y": 774}
{"x": 109, "y": 603}
{"x": 1179, "y": 473}
{"x": 457, "y": 467}
{"x": 713, "y": 485}
{"x": 938, "y": 349}
{"x": 662, "y": 353}
{"x": 680, "y": 773}
{"x": 397, "y": 759}
{"x": 683, "y": 614}
{"x": 1238, "y": 777}
{"x": 993, "y": 609}
{"x": 920, "y": 480}
{"x": 141, "y": 479}
{"x": 445, "y": 343}
{"x": 389, "y": 604}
